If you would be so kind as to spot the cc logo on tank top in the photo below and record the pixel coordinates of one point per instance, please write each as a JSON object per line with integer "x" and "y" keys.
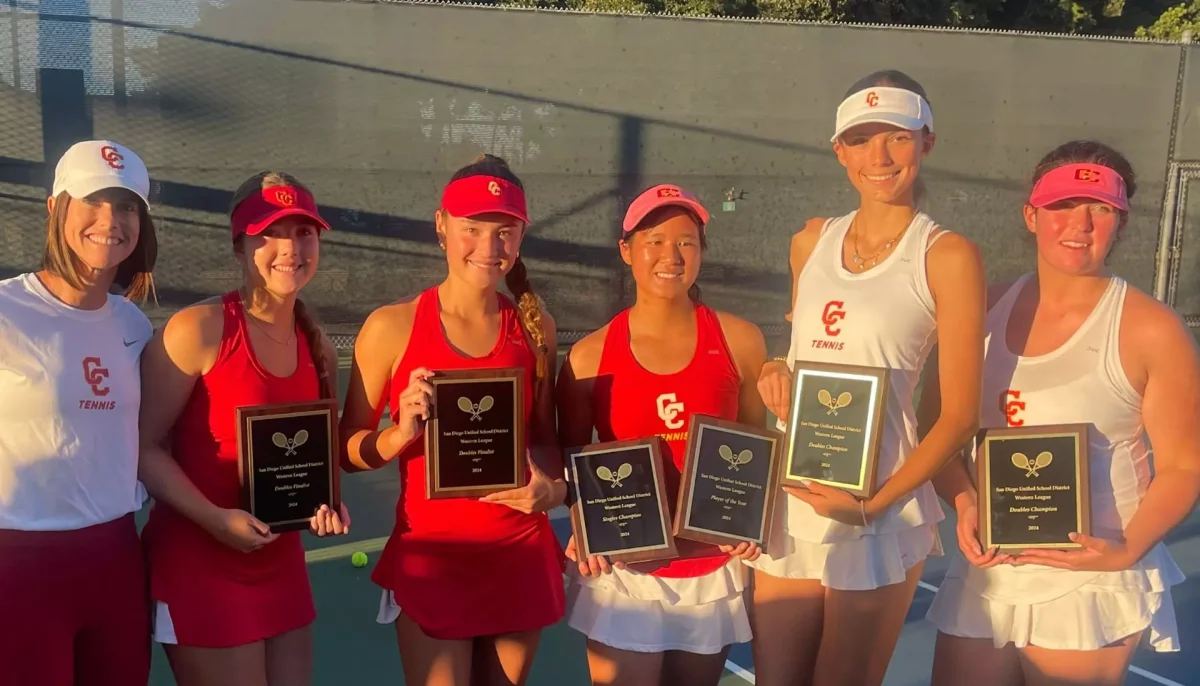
{"x": 669, "y": 409}
{"x": 1011, "y": 405}
{"x": 834, "y": 312}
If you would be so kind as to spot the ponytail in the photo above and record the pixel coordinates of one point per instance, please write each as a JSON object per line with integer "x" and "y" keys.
{"x": 530, "y": 308}
{"x": 316, "y": 346}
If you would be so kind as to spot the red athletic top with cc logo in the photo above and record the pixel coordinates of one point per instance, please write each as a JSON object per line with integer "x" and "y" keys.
{"x": 630, "y": 402}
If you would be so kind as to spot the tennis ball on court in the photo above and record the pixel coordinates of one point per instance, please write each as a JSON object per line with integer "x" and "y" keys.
{"x": 359, "y": 559}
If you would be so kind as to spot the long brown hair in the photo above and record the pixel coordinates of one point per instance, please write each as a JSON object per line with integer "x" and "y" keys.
{"x": 529, "y": 305}
{"x": 305, "y": 319}
{"x": 135, "y": 273}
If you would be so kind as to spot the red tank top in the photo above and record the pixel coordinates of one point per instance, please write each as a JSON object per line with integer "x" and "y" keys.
{"x": 206, "y": 584}
{"x": 460, "y": 567}
{"x": 635, "y": 403}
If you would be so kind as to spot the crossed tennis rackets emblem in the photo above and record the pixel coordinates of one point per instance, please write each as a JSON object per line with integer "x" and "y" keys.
{"x": 623, "y": 472}
{"x": 475, "y": 409}
{"x": 281, "y": 440}
{"x": 734, "y": 461}
{"x": 834, "y": 404}
{"x": 1042, "y": 461}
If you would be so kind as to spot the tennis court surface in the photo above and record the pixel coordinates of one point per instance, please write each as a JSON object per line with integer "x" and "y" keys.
{"x": 351, "y": 648}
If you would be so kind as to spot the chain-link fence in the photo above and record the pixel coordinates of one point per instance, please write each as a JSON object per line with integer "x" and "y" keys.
{"x": 375, "y": 105}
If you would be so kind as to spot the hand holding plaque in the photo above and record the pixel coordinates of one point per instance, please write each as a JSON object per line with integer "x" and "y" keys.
{"x": 288, "y": 463}
{"x": 835, "y": 425}
{"x": 1033, "y": 487}
{"x": 618, "y": 501}
{"x": 728, "y": 486}
{"x": 475, "y": 435}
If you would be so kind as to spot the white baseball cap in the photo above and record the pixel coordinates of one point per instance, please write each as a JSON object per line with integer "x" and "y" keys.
{"x": 883, "y": 105}
{"x": 91, "y": 166}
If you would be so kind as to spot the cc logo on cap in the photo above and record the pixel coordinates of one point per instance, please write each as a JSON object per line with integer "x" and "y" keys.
{"x": 1089, "y": 175}
{"x": 493, "y": 188}
{"x": 668, "y": 193}
{"x": 872, "y": 99}
{"x": 111, "y": 157}
{"x": 285, "y": 198}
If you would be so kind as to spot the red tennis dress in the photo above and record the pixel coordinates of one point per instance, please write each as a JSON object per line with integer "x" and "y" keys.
{"x": 635, "y": 403}
{"x": 461, "y": 568}
{"x": 217, "y": 596}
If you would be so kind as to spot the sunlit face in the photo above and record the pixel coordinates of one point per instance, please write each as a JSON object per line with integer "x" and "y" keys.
{"x": 480, "y": 250}
{"x": 102, "y": 229}
{"x": 665, "y": 254}
{"x": 1075, "y": 235}
{"x": 283, "y": 258}
{"x": 882, "y": 160}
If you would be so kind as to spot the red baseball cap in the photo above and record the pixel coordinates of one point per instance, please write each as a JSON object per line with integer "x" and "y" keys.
{"x": 475, "y": 195}
{"x": 661, "y": 195}
{"x": 1082, "y": 180}
{"x": 257, "y": 212}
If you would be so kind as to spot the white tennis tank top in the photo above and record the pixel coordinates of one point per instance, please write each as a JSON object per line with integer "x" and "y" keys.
{"x": 1082, "y": 381}
{"x": 70, "y": 391}
{"x": 884, "y": 317}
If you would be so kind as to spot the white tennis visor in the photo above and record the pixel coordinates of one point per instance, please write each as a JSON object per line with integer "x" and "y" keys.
{"x": 883, "y": 105}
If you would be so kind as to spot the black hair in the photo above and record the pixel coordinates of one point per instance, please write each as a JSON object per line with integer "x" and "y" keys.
{"x": 652, "y": 218}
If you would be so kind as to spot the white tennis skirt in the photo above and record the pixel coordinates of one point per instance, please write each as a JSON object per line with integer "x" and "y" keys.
{"x": 648, "y": 614}
{"x": 861, "y": 564}
{"x": 1088, "y": 618}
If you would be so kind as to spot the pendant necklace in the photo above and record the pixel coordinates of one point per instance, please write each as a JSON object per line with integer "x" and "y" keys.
{"x": 863, "y": 263}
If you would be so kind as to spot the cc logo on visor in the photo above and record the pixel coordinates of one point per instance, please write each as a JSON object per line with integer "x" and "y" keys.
{"x": 494, "y": 188}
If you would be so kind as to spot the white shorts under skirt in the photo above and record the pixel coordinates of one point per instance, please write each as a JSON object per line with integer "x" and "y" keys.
{"x": 1087, "y": 618}
{"x": 645, "y": 614}
{"x": 164, "y": 628}
{"x": 860, "y": 564}
{"x": 389, "y": 609}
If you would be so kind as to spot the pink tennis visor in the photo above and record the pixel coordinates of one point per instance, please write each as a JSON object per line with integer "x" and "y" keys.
{"x": 1081, "y": 180}
{"x": 661, "y": 196}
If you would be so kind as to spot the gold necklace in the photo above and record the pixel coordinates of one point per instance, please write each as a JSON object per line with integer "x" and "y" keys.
{"x": 860, "y": 262}
{"x": 254, "y": 320}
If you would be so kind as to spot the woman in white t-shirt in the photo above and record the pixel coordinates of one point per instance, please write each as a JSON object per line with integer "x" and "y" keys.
{"x": 72, "y": 581}
{"x": 879, "y": 286}
{"x": 1070, "y": 343}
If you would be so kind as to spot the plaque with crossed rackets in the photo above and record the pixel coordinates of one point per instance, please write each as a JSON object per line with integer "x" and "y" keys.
{"x": 729, "y": 482}
{"x": 475, "y": 436}
{"x": 835, "y": 425}
{"x": 288, "y": 461}
{"x": 1033, "y": 486}
{"x": 618, "y": 501}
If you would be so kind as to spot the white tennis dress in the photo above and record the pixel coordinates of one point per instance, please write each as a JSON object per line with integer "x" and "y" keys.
{"x": 1080, "y": 382}
{"x": 884, "y": 317}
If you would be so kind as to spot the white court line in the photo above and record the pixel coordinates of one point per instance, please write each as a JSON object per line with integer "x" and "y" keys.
{"x": 749, "y": 676}
{"x": 739, "y": 670}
